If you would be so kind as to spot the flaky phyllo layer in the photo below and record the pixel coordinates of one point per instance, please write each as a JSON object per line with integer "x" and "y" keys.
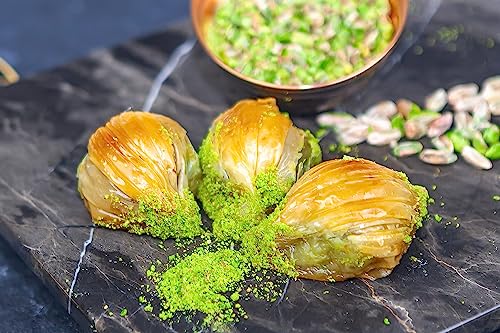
{"x": 140, "y": 174}
{"x": 250, "y": 158}
{"x": 350, "y": 218}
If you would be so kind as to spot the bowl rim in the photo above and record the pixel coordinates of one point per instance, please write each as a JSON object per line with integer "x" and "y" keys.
{"x": 293, "y": 88}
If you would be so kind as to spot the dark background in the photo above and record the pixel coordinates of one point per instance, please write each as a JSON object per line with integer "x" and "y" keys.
{"x": 36, "y": 35}
{"x": 39, "y": 34}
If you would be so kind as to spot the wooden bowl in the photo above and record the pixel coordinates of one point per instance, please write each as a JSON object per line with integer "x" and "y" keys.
{"x": 301, "y": 99}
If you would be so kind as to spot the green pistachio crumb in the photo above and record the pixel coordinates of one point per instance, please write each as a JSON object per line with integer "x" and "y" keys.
{"x": 235, "y": 296}
{"x": 123, "y": 312}
{"x": 163, "y": 315}
{"x": 162, "y": 216}
{"x": 199, "y": 282}
{"x": 321, "y": 133}
{"x": 418, "y": 50}
{"x": 387, "y": 322}
{"x": 490, "y": 43}
{"x": 344, "y": 149}
{"x": 438, "y": 218}
{"x": 235, "y": 210}
{"x": 496, "y": 197}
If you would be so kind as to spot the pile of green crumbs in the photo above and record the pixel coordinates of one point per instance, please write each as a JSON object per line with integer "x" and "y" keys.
{"x": 213, "y": 278}
{"x": 207, "y": 282}
{"x": 299, "y": 42}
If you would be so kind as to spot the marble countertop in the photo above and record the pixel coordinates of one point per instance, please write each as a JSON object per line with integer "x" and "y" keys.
{"x": 26, "y": 305}
{"x": 76, "y": 28}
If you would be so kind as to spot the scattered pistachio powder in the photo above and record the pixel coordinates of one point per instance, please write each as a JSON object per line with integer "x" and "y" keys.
{"x": 321, "y": 133}
{"x": 496, "y": 197}
{"x": 387, "y": 322}
{"x": 169, "y": 215}
{"x": 340, "y": 148}
{"x": 234, "y": 209}
{"x": 199, "y": 282}
{"x": 332, "y": 148}
{"x": 123, "y": 312}
{"x": 211, "y": 279}
{"x": 222, "y": 270}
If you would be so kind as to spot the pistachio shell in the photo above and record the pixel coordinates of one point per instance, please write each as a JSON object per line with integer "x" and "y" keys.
{"x": 382, "y": 138}
{"x": 476, "y": 159}
{"x": 333, "y": 119}
{"x": 461, "y": 91}
{"x": 404, "y": 107}
{"x": 376, "y": 123}
{"x": 437, "y": 100}
{"x": 437, "y": 157}
{"x": 443, "y": 143}
{"x": 353, "y": 135}
{"x": 439, "y": 126}
{"x": 384, "y": 109}
{"x": 407, "y": 148}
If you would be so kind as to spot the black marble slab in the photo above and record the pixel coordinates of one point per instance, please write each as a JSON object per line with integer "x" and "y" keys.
{"x": 45, "y": 124}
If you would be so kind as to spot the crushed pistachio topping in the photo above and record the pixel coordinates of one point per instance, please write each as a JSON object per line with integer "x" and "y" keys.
{"x": 233, "y": 209}
{"x": 169, "y": 215}
{"x": 201, "y": 282}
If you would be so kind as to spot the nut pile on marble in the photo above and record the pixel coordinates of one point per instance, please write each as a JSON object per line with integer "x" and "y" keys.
{"x": 457, "y": 122}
